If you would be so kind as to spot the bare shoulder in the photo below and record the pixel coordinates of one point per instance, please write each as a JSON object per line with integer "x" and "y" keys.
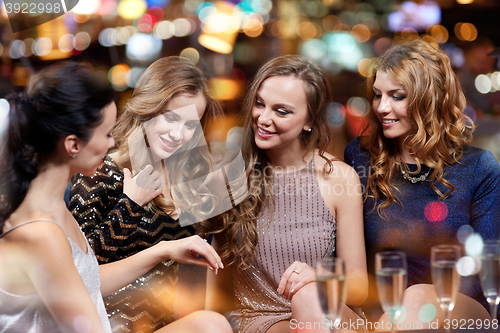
{"x": 38, "y": 238}
{"x": 340, "y": 172}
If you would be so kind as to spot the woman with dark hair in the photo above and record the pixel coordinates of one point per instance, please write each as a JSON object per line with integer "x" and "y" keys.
{"x": 303, "y": 204}
{"x": 423, "y": 182}
{"x": 159, "y": 137}
{"x": 50, "y": 280}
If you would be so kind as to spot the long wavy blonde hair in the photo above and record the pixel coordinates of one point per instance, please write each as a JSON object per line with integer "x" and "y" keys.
{"x": 237, "y": 231}
{"x": 436, "y": 107}
{"x": 163, "y": 80}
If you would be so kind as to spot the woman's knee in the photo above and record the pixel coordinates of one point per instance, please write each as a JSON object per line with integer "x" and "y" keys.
{"x": 208, "y": 321}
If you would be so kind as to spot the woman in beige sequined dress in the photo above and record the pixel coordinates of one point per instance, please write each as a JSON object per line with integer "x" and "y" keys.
{"x": 303, "y": 204}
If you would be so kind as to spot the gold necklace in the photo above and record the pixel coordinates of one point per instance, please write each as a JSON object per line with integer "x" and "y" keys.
{"x": 414, "y": 180}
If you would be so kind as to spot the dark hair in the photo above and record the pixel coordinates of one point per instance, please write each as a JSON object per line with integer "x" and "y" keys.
{"x": 63, "y": 99}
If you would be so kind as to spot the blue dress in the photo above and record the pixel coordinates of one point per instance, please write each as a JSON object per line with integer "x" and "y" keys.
{"x": 424, "y": 220}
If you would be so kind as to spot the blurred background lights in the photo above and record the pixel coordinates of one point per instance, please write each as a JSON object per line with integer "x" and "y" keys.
{"x": 465, "y": 2}
{"x": 307, "y": 30}
{"x": 465, "y": 31}
{"x": 436, "y": 211}
{"x": 131, "y": 9}
{"x": 28, "y": 50}
{"x": 343, "y": 50}
{"x": 108, "y": 37}
{"x": 191, "y": 54}
{"x": 314, "y": 49}
{"x": 467, "y": 266}
{"x": 42, "y": 46}
{"x": 133, "y": 76}
{"x": 365, "y": 66}
{"x": 4, "y": 110}
{"x": 182, "y": 27}
{"x": 17, "y": 49}
{"x": 81, "y": 41}
{"x": 439, "y": 33}
{"x": 143, "y": 47}
{"x": 358, "y": 106}
{"x": 464, "y": 232}
{"x": 483, "y": 84}
{"x": 87, "y": 7}
{"x": 66, "y": 43}
{"x": 117, "y": 75}
{"x": 164, "y": 29}
{"x": 225, "y": 89}
{"x": 336, "y": 115}
{"x": 145, "y": 23}
{"x": 474, "y": 245}
{"x": 361, "y": 33}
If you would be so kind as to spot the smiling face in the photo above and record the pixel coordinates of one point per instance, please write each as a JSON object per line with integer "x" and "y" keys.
{"x": 92, "y": 153}
{"x": 390, "y": 104}
{"x": 173, "y": 129}
{"x": 279, "y": 114}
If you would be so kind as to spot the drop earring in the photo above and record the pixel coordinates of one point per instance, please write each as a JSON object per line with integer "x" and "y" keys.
{"x": 74, "y": 156}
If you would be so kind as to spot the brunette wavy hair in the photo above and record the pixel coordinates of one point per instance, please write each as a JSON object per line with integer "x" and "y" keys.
{"x": 163, "y": 80}
{"x": 439, "y": 127}
{"x": 237, "y": 233}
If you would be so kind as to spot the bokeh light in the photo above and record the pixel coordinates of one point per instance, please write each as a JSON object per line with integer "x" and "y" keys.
{"x": 29, "y": 47}
{"x": 66, "y": 43}
{"x": 465, "y": 31}
{"x": 164, "y": 29}
{"x": 358, "y": 106}
{"x": 361, "y": 33}
{"x": 483, "y": 84}
{"x": 42, "y": 46}
{"x": 182, "y": 27}
{"x": 133, "y": 76}
{"x": 436, "y": 211}
{"x": 117, "y": 75}
{"x": 365, "y": 67}
{"x": 314, "y": 49}
{"x": 16, "y": 49}
{"x": 81, "y": 41}
{"x": 131, "y": 9}
{"x": 474, "y": 245}
{"x": 143, "y": 47}
{"x": 190, "y": 53}
{"x": 439, "y": 33}
{"x": 464, "y": 232}
{"x": 427, "y": 313}
{"x": 87, "y": 7}
{"x": 468, "y": 265}
{"x": 336, "y": 115}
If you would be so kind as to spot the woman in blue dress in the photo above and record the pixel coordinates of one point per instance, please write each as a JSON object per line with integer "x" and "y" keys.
{"x": 422, "y": 182}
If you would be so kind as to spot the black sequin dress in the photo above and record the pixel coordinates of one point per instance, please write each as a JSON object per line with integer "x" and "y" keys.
{"x": 116, "y": 227}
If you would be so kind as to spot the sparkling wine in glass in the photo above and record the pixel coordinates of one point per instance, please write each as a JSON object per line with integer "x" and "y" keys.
{"x": 490, "y": 275}
{"x": 445, "y": 276}
{"x": 391, "y": 273}
{"x": 330, "y": 279}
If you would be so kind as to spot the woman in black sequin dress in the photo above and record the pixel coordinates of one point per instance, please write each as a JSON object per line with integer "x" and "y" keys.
{"x": 159, "y": 136}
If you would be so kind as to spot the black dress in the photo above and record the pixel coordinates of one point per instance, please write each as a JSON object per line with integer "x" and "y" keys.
{"x": 116, "y": 227}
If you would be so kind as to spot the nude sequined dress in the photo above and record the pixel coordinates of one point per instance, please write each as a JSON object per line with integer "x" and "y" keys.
{"x": 300, "y": 229}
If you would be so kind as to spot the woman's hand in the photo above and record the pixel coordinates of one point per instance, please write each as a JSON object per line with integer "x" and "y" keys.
{"x": 142, "y": 188}
{"x": 193, "y": 250}
{"x": 295, "y": 277}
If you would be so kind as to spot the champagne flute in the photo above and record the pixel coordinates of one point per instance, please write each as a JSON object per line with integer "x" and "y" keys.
{"x": 391, "y": 271}
{"x": 330, "y": 279}
{"x": 445, "y": 276}
{"x": 490, "y": 275}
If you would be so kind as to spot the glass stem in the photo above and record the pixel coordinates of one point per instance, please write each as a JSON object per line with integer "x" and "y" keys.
{"x": 493, "y": 309}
